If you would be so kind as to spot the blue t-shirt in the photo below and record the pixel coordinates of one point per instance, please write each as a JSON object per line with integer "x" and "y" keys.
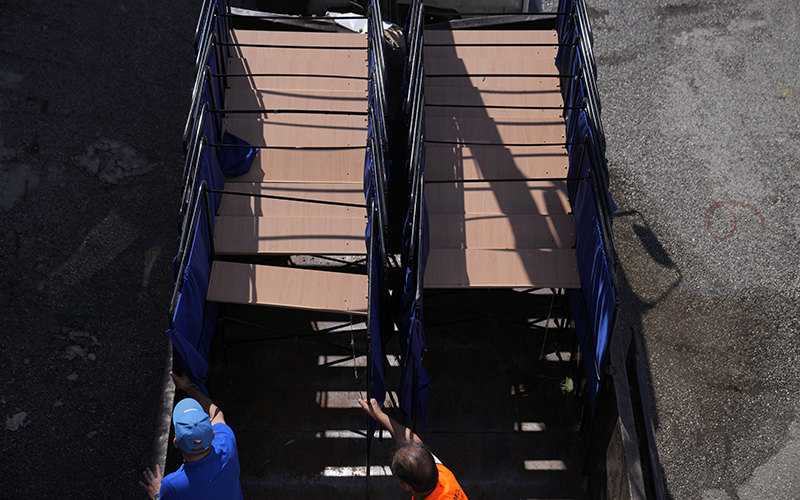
{"x": 215, "y": 477}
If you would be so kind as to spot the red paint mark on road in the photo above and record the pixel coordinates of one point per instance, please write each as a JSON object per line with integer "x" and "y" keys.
{"x": 726, "y": 204}
{"x": 34, "y": 147}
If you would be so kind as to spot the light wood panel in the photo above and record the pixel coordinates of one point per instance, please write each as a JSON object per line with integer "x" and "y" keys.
{"x": 339, "y": 192}
{"x": 299, "y": 130}
{"x": 351, "y": 68}
{"x": 481, "y": 130}
{"x": 305, "y": 165}
{"x": 444, "y": 162}
{"x": 517, "y": 53}
{"x": 450, "y": 66}
{"x": 467, "y": 96}
{"x": 276, "y": 54}
{"x": 287, "y": 287}
{"x": 532, "y": 197}
{"x": 248, "y": 235}
{"x": 292, "y": 99}
{"x": 507, "y": 114}
{"x": 489, "y": 37}
{"x": 494, "y": 82}
{"x": 458, "y": 231}
{"x": 299, "y": 38}
{"x": 545, "y": 267}
{"x": 318, "y": 82}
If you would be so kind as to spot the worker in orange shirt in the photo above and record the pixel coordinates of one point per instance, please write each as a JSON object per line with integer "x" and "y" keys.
{"x": 417, "y": 470}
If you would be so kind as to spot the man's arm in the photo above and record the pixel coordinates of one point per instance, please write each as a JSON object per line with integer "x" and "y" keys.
{"x": 400, "y": 433}
{"x": 214, "y": 413}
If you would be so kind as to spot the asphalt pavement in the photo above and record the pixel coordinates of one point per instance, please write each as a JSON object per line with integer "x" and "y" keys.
{"x": 93, "y": 99}
{"x": 702, "y": 115}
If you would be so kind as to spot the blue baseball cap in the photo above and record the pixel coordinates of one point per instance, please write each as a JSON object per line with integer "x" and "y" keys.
{"x": 192, "y": 426}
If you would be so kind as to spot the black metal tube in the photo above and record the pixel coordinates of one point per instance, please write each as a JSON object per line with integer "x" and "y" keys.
{"x": 502, "y": 107}
{"x": 502, "y": 75}
{"x": 332, "y": 148}
{"x": 296, "y": 111}
{"x": 521, "y": 179}
{"x": 287, "y": 198}
{"x": 289, "y": 17}
{"x": 309, "y": 75}
{"x": 278, "y": 46}
{"x": 542, "y": 144}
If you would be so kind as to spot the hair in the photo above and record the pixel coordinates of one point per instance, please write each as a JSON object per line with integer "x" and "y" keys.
{"x": 413, "y": 464}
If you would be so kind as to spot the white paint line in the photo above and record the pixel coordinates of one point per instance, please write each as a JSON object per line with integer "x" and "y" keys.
{"x": 375, "y": 470}
{"x": 338, "y": 326}
{"x": 545, "y": 465}
{"x": 345, "y": 399}
{"x": 565, "y": 356}
{"x": 530, "y": 426}
{"x": 361, "y": 434}
{"x": 337, "y": 361}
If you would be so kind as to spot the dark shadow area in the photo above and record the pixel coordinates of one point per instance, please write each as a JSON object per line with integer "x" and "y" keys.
{"x": 654, "y": 247}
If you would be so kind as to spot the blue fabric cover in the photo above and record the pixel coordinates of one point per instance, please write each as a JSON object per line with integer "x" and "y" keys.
{"x": 193, "y": 322}
{"x": 593, "y": 324}
{"x": 236, "y": 161}
{"x": 414, "y": 379}
{"x": 377, "y": 288}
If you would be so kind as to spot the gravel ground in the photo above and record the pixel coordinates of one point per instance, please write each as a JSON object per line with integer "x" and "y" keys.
{"x": 93, "y": 98}
{"x": 701, "y": 111}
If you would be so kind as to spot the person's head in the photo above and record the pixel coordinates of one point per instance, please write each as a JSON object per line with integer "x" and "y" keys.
{"x": 193, "y": 434}
{"x": 415, "y": 469}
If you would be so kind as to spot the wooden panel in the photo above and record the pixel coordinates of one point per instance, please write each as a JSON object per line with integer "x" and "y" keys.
{"x": 299, "y": 38}
{"x": 236, "y": 66}
{"x": 352, "y": 68}
{"x": 450, "y": 66}
{"x": 488, "y": 131}
{"x": 489, "y": 37}
{"x": 517, "y": 114}
{"x": 276, "y": 54}
{"x": 532, "y": 197}
{"x": 299, "y": 129}
{"x": 247, "y": 205}
{"x": 476, "y": 97}
{"x": 287, "y": 287}
{"x": 457, "y": 231}
{"x": 546, "y": 267}
{"x": 305, "y": 165}
{"x": 444, "y": 162}
{"x": 247, "y": 235}
{"x": 493, "y": 82}
{"x": 518, "y": 53}
{"x": 304, "y": 99}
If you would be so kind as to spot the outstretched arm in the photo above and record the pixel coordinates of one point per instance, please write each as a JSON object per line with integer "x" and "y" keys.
{"x": 400, "y": 433}
{"x": 214, "y": 413}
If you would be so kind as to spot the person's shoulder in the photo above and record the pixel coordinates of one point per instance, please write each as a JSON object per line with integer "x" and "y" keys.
{"x": 223, "y": 428}
{"x": 223, "y": 434}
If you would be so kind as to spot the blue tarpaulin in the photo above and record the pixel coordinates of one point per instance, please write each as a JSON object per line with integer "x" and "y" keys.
{"x": 194, "y": 318}
{"x": 593, "y": 306}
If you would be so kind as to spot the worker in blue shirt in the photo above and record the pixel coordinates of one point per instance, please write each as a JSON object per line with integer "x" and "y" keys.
{"x": 210, "y": 467}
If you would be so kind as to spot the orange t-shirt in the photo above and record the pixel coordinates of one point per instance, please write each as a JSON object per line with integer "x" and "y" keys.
{"x": 447, "y": 488}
